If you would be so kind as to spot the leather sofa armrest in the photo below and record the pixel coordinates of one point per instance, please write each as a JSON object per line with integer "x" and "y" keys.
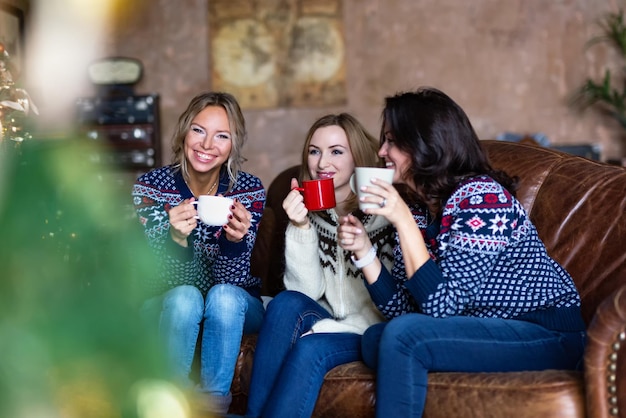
{"x": 605, "y": 358}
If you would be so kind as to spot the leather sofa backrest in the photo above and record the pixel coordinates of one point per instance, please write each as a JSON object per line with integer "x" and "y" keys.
{"x": 577, "y": 205}
{"x": 276, "y": 193}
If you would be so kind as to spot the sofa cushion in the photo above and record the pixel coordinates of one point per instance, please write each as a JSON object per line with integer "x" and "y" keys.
{"x": 349, "y": 391}
{"x": 243, "y": 372}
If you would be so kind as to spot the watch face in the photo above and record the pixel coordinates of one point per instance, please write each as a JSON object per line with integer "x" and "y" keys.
{"x": 117, "y": 70}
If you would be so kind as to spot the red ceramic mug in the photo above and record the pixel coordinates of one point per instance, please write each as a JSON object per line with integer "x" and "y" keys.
{"x": 318, "y": 194}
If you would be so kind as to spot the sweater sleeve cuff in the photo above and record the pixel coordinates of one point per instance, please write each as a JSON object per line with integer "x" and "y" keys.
{"x": 302, "y": 235}
{"x": 178, "y": 251}
{"x": 231, "y": 249}
{"x": 425, "y": 281}
{"x": 383, "y": 289}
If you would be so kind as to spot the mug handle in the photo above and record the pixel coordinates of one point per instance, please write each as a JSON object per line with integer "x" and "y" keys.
{"x": 353, "y": 184}
{"x": 195, "y": 202}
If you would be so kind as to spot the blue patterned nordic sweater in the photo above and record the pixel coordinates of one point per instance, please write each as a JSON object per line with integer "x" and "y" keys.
{"x": 209, "y": 258}
{"x": 487, "y": 260}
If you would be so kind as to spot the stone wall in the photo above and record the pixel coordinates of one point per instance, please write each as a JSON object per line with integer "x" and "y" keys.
{"x": 510, "y": 64}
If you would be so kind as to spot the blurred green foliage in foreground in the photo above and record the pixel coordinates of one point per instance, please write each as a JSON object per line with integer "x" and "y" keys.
{"x": 71, "y": 341}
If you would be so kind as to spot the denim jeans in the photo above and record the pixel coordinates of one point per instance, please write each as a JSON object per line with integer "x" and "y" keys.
{"x": 288, "y": 370}
{"x": 405, "y": 349}
{"x": 226, "y": 314}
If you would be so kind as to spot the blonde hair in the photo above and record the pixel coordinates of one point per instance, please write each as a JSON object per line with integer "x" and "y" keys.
{"x": 363, "y": 146}
{"x": 237, "y": 129}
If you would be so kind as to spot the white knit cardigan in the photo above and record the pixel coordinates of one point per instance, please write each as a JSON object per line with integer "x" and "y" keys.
{"x": 330, "y": 278}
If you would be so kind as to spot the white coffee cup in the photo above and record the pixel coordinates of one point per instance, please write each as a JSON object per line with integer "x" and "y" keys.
{"x": 213, "y": 210}
{"x": 362, "y": 177}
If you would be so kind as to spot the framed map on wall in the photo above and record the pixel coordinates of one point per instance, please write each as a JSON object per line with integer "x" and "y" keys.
{"x": 278, "y": 54}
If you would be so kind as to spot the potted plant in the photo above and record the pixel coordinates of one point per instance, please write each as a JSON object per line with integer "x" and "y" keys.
{"x": 608, "y": 95}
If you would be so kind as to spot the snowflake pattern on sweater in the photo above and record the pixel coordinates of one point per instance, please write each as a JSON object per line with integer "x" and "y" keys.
{"x": 488, "y": 261}
{"x": 331, "y": 278}
{"x": 378, "y": 229}
{"x": 209, "y": 258}
{"x": 397, "y": 299}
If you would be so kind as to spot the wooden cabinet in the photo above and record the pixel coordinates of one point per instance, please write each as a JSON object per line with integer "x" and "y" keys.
{"x": 127, "y": 128}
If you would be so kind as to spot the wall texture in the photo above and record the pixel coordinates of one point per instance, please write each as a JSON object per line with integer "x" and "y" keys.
{"x": 510, "y": 64}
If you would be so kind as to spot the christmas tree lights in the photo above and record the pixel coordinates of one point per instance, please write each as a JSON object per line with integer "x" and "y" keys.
{"x": 15, "y": 103}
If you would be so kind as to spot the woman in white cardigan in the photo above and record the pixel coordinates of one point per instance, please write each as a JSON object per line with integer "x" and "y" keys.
{"x": 317, "y": 323}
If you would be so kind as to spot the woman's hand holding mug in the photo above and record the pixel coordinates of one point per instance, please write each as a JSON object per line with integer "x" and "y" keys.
{"x": 294, "y": 207}
{"x": 239, "y": 222}
{"x": 182, "y": 221}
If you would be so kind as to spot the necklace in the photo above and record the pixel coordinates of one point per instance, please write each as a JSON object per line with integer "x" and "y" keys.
{"x": 212, "y": 187}
{"x": 210, "y": 190}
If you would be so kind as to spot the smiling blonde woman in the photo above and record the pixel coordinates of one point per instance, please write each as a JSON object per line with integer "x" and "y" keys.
{"x": 204, "y": 270}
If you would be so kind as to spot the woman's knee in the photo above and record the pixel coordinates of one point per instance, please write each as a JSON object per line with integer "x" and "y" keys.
{"x": 225, "y": 300}
{"x": 410, "y": 335}
{"x": 289, "y": 301}
{"x": 183, "y": 301}
{"x": 411, "y": 324}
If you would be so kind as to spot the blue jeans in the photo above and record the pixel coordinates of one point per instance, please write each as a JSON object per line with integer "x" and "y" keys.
{"x": 288, "y": 370}
{"x": 405, "y": 349}
{"x": 226, "y": 314}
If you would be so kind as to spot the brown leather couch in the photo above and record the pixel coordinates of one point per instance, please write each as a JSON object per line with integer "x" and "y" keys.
{"x": 579, "y": 209}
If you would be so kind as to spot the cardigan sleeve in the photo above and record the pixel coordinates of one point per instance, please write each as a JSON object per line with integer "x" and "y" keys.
{"x": 303, "y": 271}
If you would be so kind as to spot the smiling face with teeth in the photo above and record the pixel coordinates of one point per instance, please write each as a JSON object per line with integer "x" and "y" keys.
{"x": 208, "y": 143}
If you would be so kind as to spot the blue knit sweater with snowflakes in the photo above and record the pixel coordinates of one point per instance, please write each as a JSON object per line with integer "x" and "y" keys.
{"x": 209, "y": 258}
{"x": 486, "y": 261}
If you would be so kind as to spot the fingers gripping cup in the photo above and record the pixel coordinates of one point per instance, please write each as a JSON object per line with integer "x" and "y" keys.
{"x": 318, "y": 194}
{"x": 214, "y": 210}
{"x": 362, "y": 177}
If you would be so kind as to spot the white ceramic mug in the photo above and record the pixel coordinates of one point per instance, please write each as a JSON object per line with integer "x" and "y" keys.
{"x": 362, "y": 177}
{"x": 213, "y": 210}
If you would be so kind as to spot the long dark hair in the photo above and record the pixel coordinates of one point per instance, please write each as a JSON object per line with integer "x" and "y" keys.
{"x": 444, "y": 148}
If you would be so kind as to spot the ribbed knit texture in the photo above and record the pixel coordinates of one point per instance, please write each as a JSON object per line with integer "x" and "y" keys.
{"x": 318, "y": 267}
{"x": 487, "y": 261}
{"x": 209, "y": 258}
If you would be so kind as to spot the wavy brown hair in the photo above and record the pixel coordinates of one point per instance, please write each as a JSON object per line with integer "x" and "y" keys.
{"x": 436, "y": 133}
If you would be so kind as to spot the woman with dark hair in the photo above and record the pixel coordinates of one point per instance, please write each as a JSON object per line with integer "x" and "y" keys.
{"x": 481, "y": 293}
{"x": 317, "y": 323}
{"x": 205, "y": 270}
